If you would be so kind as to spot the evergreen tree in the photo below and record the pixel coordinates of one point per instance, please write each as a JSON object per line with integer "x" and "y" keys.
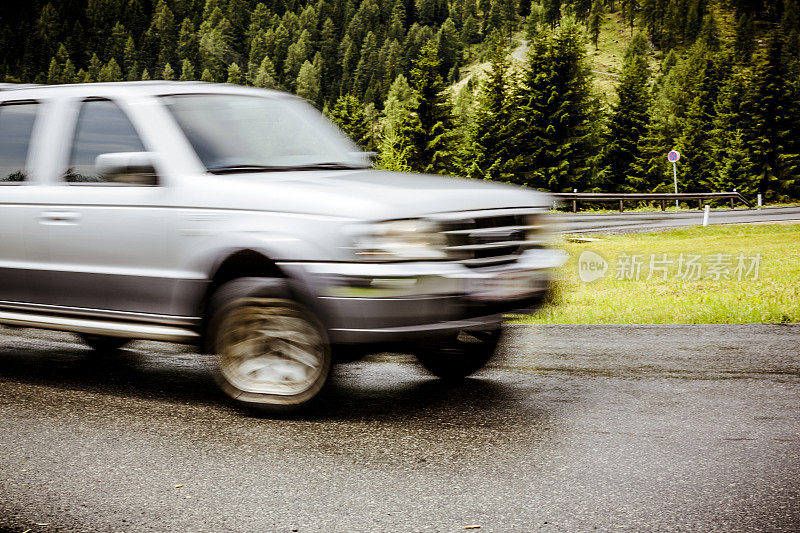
{"x": 551, "y": 12}
{"x": 53, "y": 72}
{"x": 168, "y": 73}
{"x": 110, "y": 72}
{"x": 187, "y": 42}
{"x": 629, "y": 8}
{"x": 94, "y": 67}
{"x": 215, "y": 43}
{"x": 68, "y": 73}
{"x": 187, "y": 70}
{"x": 297, "y": 55}
{"x": 129, "y": 57}
{"x": 308, "y": 82}
{"x": 265, "y": 76}
{"x": 235, "y": 74}
{"x": 491, "y": 133}
{"x": 595, "y": 22}
{"x": 774, "y": 120}
{"x": 116, "y": 44}
{"x": 162, "y": 33}
{"x": 348, "y": 114}
{"x": 399, "y": 128}
{"x": 628, "y": 124}
{"x": 435, "y": 141}
{"x": 449, "y": 50}
{"x": 555, "y": 128}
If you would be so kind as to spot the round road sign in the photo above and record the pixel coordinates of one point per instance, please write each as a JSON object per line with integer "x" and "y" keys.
{"x": 673, "y": 156}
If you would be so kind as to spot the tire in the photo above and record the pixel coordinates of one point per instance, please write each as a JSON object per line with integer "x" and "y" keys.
{"x": 104, "y": 343}
{"x": 272, "y": 353}
{"x": 459, "y": 357}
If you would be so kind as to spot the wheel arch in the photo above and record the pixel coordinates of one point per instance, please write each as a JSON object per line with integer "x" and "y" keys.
{"x": 235, "y": 264}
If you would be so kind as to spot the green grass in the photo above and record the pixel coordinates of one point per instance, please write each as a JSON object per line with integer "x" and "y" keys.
{"x": 773, "y": 297}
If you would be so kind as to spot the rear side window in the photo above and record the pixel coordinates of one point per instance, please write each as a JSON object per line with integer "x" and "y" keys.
{"x": 16, "y": 126}
{"x": 102, "y": 128}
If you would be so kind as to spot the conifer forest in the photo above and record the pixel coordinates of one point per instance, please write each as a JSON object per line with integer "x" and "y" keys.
{"x": 552, "y": 94}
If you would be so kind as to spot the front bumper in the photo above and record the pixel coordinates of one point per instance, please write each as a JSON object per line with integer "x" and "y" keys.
{"x": 395, "y": 302}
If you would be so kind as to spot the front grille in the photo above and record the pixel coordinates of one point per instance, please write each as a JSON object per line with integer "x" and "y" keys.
{"x": 490, "y": 237}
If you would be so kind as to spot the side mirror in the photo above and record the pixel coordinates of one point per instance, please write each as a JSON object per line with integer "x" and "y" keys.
{"x": 129, "y": 168}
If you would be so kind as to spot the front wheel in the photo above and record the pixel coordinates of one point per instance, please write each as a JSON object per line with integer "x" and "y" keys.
{"x": 457, "y": 358}
{"x": 272, "y": 353}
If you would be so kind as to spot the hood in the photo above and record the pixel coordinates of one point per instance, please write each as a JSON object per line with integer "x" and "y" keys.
{"x": 372, "y": 194}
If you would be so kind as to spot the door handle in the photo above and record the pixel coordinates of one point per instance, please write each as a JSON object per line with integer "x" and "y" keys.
{"x": 59, "y": 217}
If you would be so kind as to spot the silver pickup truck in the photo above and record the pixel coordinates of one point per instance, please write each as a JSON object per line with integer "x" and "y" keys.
{"x": 242, "y": 221}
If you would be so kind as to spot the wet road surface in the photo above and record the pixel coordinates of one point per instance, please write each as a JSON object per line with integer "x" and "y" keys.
{"x": 574, "y": 428}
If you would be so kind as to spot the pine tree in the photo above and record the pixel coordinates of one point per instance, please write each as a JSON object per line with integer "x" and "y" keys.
{"x": 68, "y": 73}
{"x": 187, "y": 70}
{"x": 83, "y": 77}
{"x": 469, "y": 31}
{"x": 110, "y": 72}
{"x": 205, "y": 76}
{"x": 696, "y": 142}
{"x": 774, "y": 120}
{"x": 490, "y": 133}
{"x": 116, "y": 44}
{"x": 162, "y": 33}
{"x": 94, "y": 67}
{"x": 308, "y": 82}
{"x": 694, "y": 21}
{"x": 235, "y": 74}
{"x": 449, "y": 49}
{"x": 297, "y": 55}
{"x": 628, "y": 124}
{"x": 129, "y": 57}
{"x": 399, "y": 128}
{"x": 133, "y": 72}
{"x": 595, "y": 22}
{"x": 265, "y": 76}
{"x": 555, "y": 128}
{"x": 629, "y": 8}
{"x": 435, "y": 143}
{"x": 215, "y": 43}
{"x": 348, "y": 114}
{"x": 580, "y": 9}
{"x": 551, "y": 12}
{"x": 187, "y": 42}
{"x": 168, "y": 73}
{"x": 53, "y": 72}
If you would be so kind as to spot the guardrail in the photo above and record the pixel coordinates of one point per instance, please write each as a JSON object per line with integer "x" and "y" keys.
{"x": 663, "y": 197}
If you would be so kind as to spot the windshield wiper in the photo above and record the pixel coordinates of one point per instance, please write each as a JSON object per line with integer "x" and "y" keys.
{"x": 233, "y": 169}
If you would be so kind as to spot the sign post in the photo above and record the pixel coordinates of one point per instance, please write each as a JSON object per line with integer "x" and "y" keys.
{"x": 673, "y": 158}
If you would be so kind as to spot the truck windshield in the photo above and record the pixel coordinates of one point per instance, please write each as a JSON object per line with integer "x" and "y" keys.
{"x": 242, "y": 133}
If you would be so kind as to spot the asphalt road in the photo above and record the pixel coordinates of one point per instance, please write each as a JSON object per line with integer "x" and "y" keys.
{"x": 692, "y": 428}
{"x": 637, "y": 221}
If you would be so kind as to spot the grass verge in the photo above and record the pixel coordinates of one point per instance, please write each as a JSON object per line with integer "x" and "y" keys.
{"x": 746, "y": 274}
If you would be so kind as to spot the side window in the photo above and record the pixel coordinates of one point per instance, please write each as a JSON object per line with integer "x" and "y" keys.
{"x": 16, "y": 125}
{"x": 102, "y": 128}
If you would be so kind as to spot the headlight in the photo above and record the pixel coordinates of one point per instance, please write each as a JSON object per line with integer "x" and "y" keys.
{"x": 399, "y": 240}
